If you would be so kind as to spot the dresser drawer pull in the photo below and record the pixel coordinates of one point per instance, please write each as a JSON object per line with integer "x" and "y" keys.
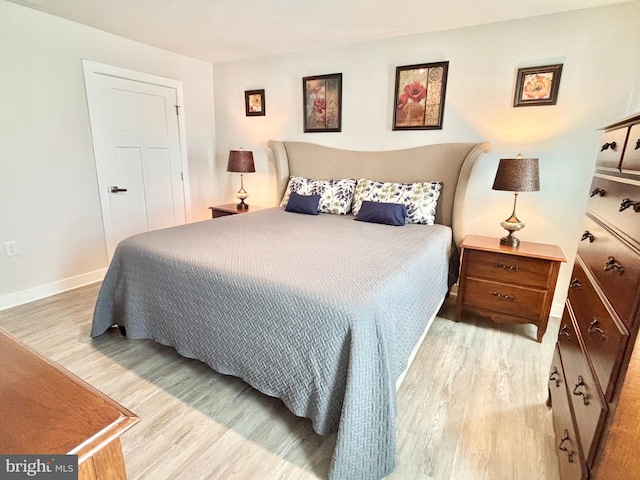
{"x": 575, "y": 283}
{"x": 562, "y": 448}
{"x": 611, "y": 264}
{"x": 608, "y": 146}
{"x": 637, "y": 144}
{"x": 593, "y": 328}
{"x": 564, "y": 331}
{"x": 589, "y": 235}
{"x": 627, "y": 202}
{"x": 555, "y": 375}
{"x": 598, "y": 191}
{"x": 585, "y": 396}
{"x": 513, "y": 268}
{"x": 511, "y": 298}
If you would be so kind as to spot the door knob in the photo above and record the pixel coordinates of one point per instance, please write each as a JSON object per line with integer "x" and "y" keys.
{"x": 117, "y": 189}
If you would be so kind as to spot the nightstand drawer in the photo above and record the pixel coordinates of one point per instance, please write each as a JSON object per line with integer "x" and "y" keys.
{"x": 605, "y": 338}
{"x": 589, "y": 406}
{"x": 615, "y": 266}
{"x": 505, "y": 298}
{"x": 508, "y": 268}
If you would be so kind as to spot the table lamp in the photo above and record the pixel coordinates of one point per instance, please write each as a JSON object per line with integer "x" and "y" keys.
{"x": 516, "y": 175}
{"x": 241, "y": 161}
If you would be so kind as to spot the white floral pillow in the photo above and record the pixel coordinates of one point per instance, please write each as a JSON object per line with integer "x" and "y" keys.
{"x": 336, "y": 196}
{"x": 419, "y": 198}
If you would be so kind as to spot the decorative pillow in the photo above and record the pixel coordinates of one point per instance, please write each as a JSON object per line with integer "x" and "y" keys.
{"x": 419, "y": 198}
{"x": 307, "y": 204}
{"x": 382, "y": 212}
{"x": 336, "y": 196}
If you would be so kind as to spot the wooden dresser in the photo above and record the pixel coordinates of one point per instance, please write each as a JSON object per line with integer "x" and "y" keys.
{"x": 594, "y": 381}
{"x": 44, "y": 409}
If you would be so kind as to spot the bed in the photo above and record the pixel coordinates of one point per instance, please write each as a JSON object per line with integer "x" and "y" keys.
{"x": 320, "y": 311}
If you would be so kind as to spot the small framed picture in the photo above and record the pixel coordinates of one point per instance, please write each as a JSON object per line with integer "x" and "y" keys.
{"x": 322, "y": 101}
{"x": 419, "y": 96}
{"x": 254, "y": 103}
{"x": 537, "y": 86}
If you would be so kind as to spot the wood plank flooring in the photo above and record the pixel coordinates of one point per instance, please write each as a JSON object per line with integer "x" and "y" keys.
{"x": 472, "y": 406}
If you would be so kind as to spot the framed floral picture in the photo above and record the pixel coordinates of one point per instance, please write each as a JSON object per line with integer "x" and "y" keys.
{"x": 419, "y": 96}
{"x": 254, "y": 105}
{"x": 322, "y": 101}
{"x": 537, "y": 86}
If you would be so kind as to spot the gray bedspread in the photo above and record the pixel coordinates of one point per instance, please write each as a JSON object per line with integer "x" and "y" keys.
{"x": 320, "y": 311}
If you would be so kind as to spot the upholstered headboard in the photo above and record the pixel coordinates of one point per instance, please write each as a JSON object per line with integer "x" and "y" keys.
{"x": 450, "y": 163}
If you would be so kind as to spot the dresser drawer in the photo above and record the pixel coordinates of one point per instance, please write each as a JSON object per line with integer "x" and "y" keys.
{"x": 611, "y": 145}
{"x": 505, "y": 298}
{"x": 631, "y": 160}
{"x": 570, "y": 458}
{"x": 589, "y": 406}
{"x": 604, "y": 336}
{"x": 523, "y": 271}
{"x": 616, "y": 267}
{"x": 614, "y": 200}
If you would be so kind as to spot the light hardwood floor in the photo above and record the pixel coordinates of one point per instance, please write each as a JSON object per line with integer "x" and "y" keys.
{"x": 472, "y": 406}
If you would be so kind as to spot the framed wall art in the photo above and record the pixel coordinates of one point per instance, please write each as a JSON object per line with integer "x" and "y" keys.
{"x": 254, "y": 103}
{"x": 537, "y": 86}
{"x": 419, "y": 96}
{"x": 322, "y": 101}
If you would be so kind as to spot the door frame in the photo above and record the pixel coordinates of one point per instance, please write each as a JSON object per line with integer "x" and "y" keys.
{"x": 91, "y": 69}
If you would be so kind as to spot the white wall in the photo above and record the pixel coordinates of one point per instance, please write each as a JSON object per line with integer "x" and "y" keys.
{"x": 49, "y": 200}
{"x": 600, "y": 84}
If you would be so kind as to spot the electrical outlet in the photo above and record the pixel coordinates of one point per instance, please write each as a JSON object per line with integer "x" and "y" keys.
{"x": 11, "y": 248}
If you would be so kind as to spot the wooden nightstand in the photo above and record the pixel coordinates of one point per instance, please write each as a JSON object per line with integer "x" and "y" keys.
{"x": 508, "y": 284}
{"x": 231, "y": 209}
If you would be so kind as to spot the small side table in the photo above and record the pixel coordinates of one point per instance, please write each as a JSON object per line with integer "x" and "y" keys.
{"x": 508, "y": 284}
{"x": 231, "y": 209}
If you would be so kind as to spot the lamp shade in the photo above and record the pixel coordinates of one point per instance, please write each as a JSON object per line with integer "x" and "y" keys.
{"x": 517, "y": 175}
{"x": 241, "y": 161}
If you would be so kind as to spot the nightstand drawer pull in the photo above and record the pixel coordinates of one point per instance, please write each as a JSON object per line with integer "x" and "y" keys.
{"x": 598, "y": 191}
{"x": 589, "y": 235}
{"x": 555, "y": 375}
{"x": 575, "y": 283}
{"x": 511, "y": 298}
{"x": 627, "y": 202}
{"x": 564, "y": 331}
{"x": 611, "y": 264}
{"x": 593, "y": 328}
{"x": 607, "y": 146}
{"x": 513, "y": 268}
{"x": 562, "y": 448}
{"x": 585, "y": 396}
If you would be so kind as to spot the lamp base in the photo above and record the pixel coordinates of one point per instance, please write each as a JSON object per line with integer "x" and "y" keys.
{"x": 242, "y": 205}
{"x": 510, "y": 240}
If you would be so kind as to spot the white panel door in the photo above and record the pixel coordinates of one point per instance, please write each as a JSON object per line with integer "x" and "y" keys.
{"x": 138, "y": 155}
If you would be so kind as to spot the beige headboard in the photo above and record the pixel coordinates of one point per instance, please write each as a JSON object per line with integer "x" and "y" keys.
{"x": 450, "y": 163}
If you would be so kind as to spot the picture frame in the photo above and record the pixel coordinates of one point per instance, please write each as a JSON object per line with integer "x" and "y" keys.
{"x": 537, "y": 85}
{"x": 254, "y": 103}
{"x": 322, "y": 103}
{"x": 419, "y": 96}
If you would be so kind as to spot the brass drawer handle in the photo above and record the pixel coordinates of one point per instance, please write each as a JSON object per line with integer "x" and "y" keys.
{"x": 593, "y": 328}
{"x": 562, "y": 448}
{"x": 575, "y": 283}
{"x": 564, "y": 331}
{"x": 608, "y": 146}
{"x": 589, "y": 235}
{"x": 598, "y": 191}
{"x": 584, "y": 395}
{"x": 611, "y": 264}
{"x": 513, "y": 268}
{"x": 627, "y": 202}
{"x": 555, "y": 375}
{"x": 510, "y": 298}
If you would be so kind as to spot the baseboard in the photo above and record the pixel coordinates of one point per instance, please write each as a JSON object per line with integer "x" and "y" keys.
{"x": 25, "y": 296}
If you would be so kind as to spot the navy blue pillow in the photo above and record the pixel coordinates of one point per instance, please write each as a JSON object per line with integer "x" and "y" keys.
{"x": 380, "y": 212}
{"x": 307, "y": 204}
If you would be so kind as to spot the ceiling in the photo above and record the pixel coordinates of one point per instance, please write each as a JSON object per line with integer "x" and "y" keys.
{"x": 223, "y": 30}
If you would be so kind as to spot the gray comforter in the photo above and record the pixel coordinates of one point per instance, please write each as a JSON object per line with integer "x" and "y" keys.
{"x": 319, "y": 311}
